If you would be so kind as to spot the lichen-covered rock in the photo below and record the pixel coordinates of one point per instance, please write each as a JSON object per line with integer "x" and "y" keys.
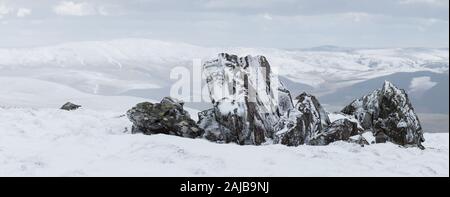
{"x": 245, "y": 94}
{"x": 166, "y": 117}
{"x": 303, "y": 123}
{"x": 389, "y": 114}
{"x": 70, "y": 106}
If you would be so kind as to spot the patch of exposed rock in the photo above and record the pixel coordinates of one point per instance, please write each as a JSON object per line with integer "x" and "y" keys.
{"x": 70, "y": 106}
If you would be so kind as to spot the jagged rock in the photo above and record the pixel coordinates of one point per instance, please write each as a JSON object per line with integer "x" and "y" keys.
{"x": 389, "y": 114}
{"x": 245, "y": 94}
{"x": 339, "y": 130}
{"x": 309, "y": 124}
{"x": 70, "y": 106}
{"x": 167, "y": 117}
{"x": 303, "y": 123}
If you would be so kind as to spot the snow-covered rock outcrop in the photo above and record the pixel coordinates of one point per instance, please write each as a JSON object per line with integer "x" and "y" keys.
{"x": 247, "y": 99}
{"x": 389, "y": 114}
{"x": 251, "y": 107}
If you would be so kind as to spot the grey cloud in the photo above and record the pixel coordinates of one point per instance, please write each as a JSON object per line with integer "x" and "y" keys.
{"x": 261, "y": 23}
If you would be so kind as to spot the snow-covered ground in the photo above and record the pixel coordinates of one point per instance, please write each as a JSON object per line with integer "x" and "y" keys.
{"x": 50, "y": 142}
{"x": 37, "y": 139}
{"x": 34, "y": 93}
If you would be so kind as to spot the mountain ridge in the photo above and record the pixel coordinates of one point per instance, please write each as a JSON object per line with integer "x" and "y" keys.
{"x": 118, "y": 67}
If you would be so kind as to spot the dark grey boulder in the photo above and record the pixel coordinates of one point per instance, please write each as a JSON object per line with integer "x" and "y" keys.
{"x": 166, "y": 117}
{"x": 339, "y": 130}
{"x": 70, "y": 106}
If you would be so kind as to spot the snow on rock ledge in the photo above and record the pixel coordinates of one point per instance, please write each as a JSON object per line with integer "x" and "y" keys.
{"x": 389, "y": 114}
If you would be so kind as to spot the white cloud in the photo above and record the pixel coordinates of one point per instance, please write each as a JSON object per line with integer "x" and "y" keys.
{"x": 429, "y": 2}
{"x": 421, "y": 84}
{"x": 102, "y": 11}
{"x": 4, "y": 10}
{"x": 36, "y": 22}
{"x": 23, "y": 12}
{"x": 356, "y": 16}
{"x": 237, "y": 3}
{"x": 71, "y": 8}
{"x": 268, "y": 17}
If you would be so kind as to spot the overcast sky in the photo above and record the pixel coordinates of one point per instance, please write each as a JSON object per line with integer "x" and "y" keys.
{"x": 252, "y": 23}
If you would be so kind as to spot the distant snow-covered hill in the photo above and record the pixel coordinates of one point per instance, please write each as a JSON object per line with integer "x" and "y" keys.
{"x": 110, "y": 67}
